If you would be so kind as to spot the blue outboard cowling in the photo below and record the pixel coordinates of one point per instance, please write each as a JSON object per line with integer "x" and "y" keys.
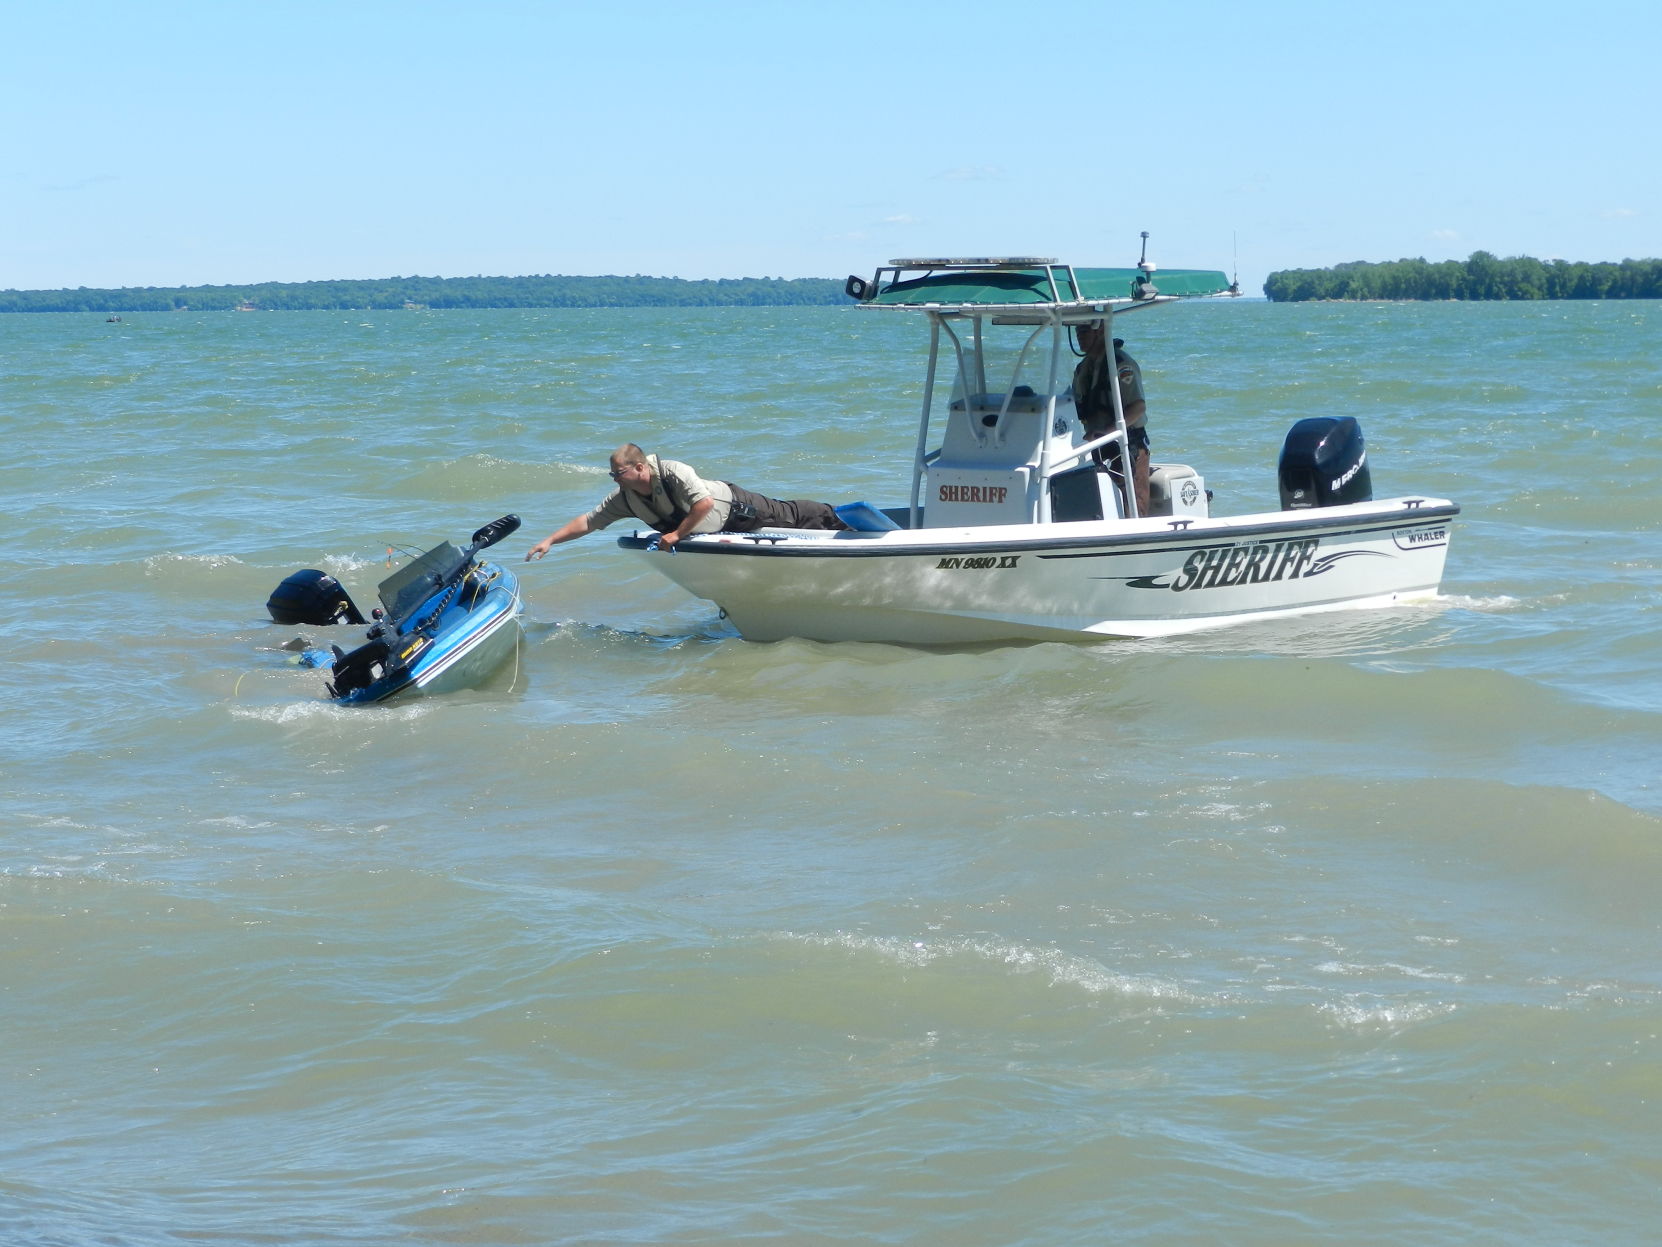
{"x": 1324, "y": 463}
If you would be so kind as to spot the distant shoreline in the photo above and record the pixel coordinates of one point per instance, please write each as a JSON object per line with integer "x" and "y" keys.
{"x": 420, "y": 293}
{"x": 1480, "y": 278}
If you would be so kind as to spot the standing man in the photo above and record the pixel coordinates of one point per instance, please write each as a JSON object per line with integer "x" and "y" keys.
{"x": 1094, "y": 402}
{"x": 669, "y": 496}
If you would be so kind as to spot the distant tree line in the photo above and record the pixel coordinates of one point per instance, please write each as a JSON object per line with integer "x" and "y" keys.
{"x": 438, "y": 292}
{"x": 1482, "y": 276}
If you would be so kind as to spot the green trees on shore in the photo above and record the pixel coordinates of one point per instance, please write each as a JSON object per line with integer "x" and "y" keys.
{"x": 1482, "y": 276}
{"x": 438, "y": 292}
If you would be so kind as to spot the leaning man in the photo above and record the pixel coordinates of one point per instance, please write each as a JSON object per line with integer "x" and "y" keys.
{"x": 672, "y": 498}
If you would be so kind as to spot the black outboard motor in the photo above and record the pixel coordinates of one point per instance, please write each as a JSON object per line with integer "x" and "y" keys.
{"x": 312, "y": 597}
{"x": 1324, "y": 464}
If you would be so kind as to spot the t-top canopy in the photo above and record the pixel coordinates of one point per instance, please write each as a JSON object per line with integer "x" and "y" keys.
{"x": 1015, "y": 261}
{"x": 993, "y": 283}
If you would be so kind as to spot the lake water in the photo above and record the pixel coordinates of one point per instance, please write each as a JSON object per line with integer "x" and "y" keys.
{"x": 1338, "y": 930}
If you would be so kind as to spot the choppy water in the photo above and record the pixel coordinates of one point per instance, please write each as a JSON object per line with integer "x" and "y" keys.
{"x": 1315, "y": 932}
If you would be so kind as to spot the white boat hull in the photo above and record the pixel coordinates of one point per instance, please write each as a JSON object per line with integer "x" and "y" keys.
{"x": 1139, "y": 578}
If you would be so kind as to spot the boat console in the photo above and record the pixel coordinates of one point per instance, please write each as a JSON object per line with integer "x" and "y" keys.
{"x": 986, "y": 471}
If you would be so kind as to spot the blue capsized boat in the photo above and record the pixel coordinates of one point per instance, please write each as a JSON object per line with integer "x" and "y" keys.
{"x": 447, "y": 620}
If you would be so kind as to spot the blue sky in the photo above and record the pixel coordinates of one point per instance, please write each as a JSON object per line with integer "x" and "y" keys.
{"x": 198, "y": 143}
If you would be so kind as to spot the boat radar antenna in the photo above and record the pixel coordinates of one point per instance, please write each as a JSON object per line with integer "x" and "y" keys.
{"x": 1143, "y": 287}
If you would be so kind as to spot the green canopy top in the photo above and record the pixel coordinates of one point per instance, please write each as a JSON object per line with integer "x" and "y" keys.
{"x": 985, "y": 284}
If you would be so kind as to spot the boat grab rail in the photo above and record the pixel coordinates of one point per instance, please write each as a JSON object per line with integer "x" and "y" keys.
{"x": 920, "y": 456}
{"x": 1081, "y": 450}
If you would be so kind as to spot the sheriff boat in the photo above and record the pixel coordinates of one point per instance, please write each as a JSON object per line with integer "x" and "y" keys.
{"x": 1015, "y": 529}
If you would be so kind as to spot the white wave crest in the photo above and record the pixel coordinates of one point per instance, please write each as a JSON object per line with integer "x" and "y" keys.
{"x": 1373, "y": 1016}
{"x": 286, "y": 713}
{"x": 158, "y": 563}
{"x": 1389, "y": 968}
{"x": 1496, "y": 604}
{"x": 1063, "y": 969}
{"x": 342, "y": 565}
{"x": 323, "y": 710}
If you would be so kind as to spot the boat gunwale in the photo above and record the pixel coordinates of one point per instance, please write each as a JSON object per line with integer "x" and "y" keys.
{"x": 1223, "y": 531}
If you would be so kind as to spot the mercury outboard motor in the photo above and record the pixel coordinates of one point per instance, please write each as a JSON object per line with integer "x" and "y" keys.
{"x": 312, "y": 597}
{"x": 1324, "y": 464}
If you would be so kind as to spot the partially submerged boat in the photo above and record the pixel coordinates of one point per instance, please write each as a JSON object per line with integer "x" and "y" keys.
{"x": 447, "y": 620}
{"x": 1016, "y": 529}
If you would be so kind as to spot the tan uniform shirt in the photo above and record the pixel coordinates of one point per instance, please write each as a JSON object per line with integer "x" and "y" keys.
{"x": 1092, "y": 399}
{"x": 675, "y": 488}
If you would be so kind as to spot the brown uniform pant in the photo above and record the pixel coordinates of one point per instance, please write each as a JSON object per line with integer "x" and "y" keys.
{"x": 753, "y": 511}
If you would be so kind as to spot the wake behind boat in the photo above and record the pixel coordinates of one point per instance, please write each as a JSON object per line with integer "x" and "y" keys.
{"x": 1015, "y": 527}
{"x": 447, "y": 620}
